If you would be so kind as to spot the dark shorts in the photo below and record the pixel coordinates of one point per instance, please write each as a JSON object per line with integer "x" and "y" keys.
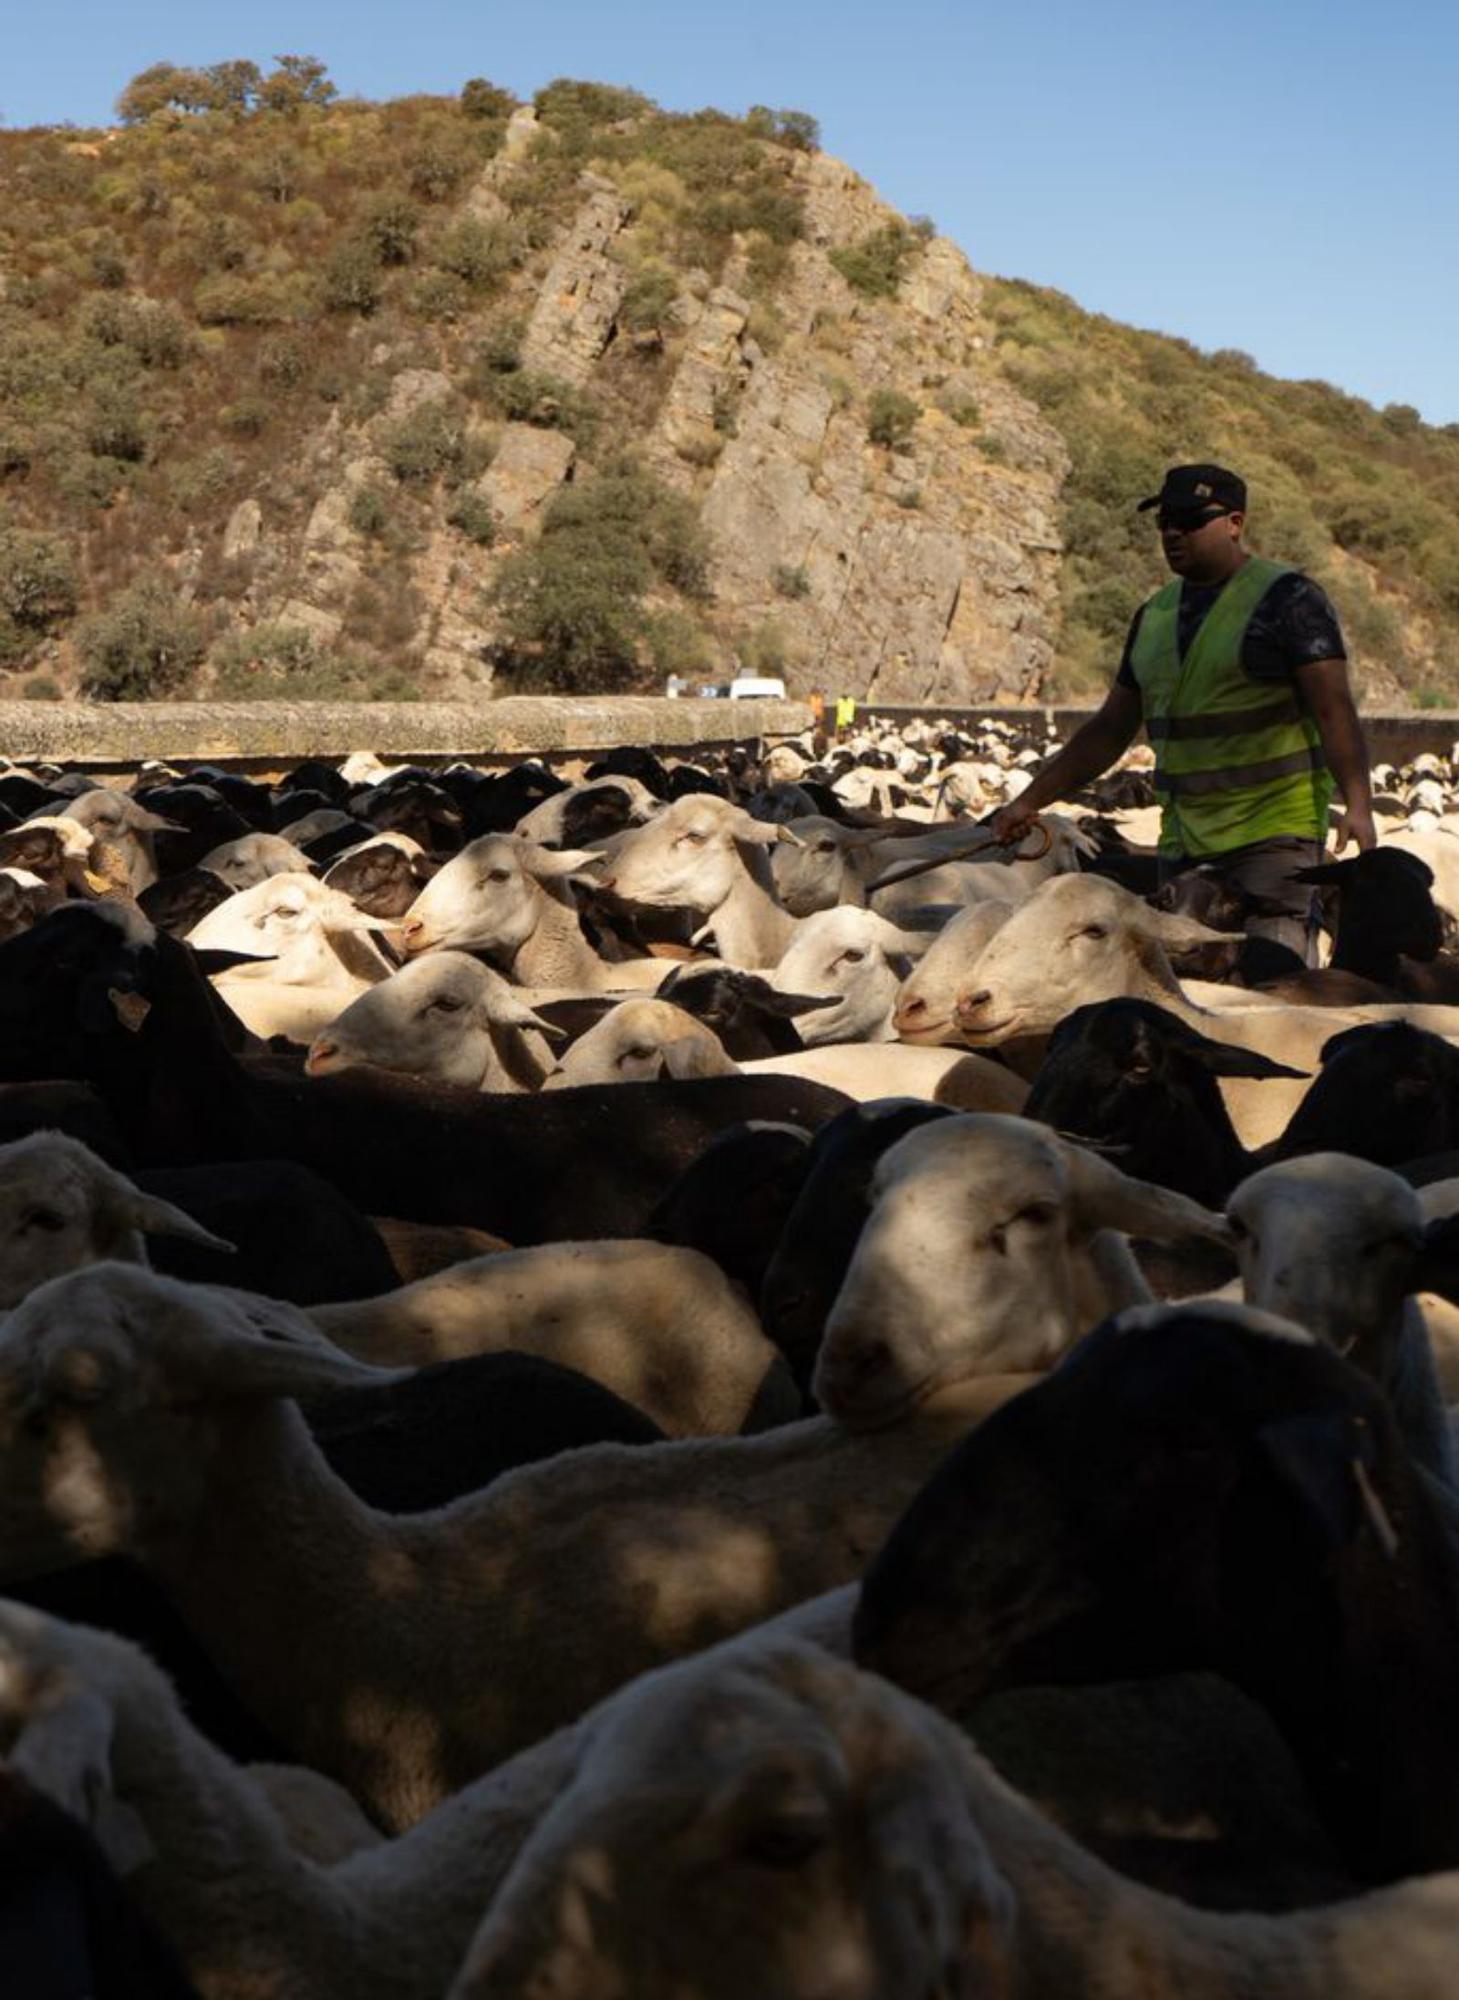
{"x": 1266, "y": 869}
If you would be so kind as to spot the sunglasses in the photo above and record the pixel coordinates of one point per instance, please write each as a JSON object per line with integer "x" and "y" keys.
{"x": 1186, "y": 520}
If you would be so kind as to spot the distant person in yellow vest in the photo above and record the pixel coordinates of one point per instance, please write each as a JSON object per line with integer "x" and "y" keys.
{"x": 845, "y": 714}
{"x": 1237, "y": 670}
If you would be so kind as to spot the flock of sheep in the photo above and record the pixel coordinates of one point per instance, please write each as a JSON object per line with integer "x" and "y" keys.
{"x": 686, "y": 1382}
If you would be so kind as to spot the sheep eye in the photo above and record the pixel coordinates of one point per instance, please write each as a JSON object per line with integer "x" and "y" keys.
{"x": 852, "y": 957}
{"x": 1040, "y": 1213}
{"x": 637, "y": 1055}
{"x": 41, "y": 1218}
{"x": 499, "y": 875}
{"x": 1092, "y": 931}
{"x": 445, "y": 1003}
{"x": 1238, "y": 1228}
{"x": 786, "y": 1843}
{"x": 825, "y": 847}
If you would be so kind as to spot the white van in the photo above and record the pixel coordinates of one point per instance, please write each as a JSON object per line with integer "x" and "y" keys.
{"x": 765, "y": 687}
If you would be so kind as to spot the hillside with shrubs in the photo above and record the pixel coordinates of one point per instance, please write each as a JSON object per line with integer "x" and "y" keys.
{"x": 311, "y": 397}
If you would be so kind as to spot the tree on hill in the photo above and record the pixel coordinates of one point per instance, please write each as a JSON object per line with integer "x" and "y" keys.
{"x": 236, "y": 88}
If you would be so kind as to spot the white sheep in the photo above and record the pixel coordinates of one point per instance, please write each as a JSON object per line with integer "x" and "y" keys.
{"x": 545, "y": 821}
{"x": 638, "y": 1041}
{"x": 127, "y": 828}
{"x": 661, "y": 1326}
{"x": 509, "y": 896}
{"x": 1333, "y": 1242}
{"x": 990, "y": 1246}
{"x": 445, "y": 1018}
{"x": 61, "y": 1207}
{"x": 144, "y": 1415}
{"x": 314, "y": 954}
{"x": 766, "y": 1820}
{"x": 252, "y": 858}
{"x": 703, "y": 854}
{"x": 856, "y": 955}
{"x": 218, "y": 1856}
{"x": 1080, "y": 939}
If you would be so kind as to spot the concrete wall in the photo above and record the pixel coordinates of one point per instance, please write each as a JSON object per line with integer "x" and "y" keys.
{"x": 125, "y": 733}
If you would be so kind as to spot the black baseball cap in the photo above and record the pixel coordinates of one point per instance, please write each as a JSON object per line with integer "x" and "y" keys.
{"x": 1199, "y": 486}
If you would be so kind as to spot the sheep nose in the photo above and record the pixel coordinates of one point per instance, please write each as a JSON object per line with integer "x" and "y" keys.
{"x": 411, "y": 930}
{"x": 320, "y": 1056}
{"x": 909, "y": 1010}
{"x": 969, "y": 1004}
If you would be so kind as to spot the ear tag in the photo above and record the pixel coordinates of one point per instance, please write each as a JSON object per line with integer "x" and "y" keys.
{"x": 130, "y": 1008}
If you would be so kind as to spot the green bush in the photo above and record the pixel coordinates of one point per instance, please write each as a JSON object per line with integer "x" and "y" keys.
{"x": 649, "y": 294}
{"x": 352, "y": 277}
{"x": 480, "y": 99}
{"x": 877, "y": 264}
{"x": 144, "y": 645}
{"x": 791, "y": 581}
{"x": 423, "y": 443}
{"x": 230, "y": 300}
{"x": 247, "y": 417}
{"x": 572, "y": 605}
{"x": 523, "y": 397}
{"x": 390, "y": 224}
{"x": 370, "y": 509}
{"x": 891, "y": 418}
{"x": 438, "y": 295}
{"x": 480, "y": 253}
{"x": 435, "y": 170}
{"x": 577, "y": 110}
{"x": 572, "y": 613}
{"x": 472, "y": 515}
{"x": 498, "y": 352}
{"x": 116, "y": 426}
{"x": 285, "y": 361}
{"x": 41, "y": 687}
{"x": 37, "y": 577}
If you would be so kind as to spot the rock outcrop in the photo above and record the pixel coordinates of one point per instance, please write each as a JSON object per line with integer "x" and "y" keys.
{"x": 925, "y": 571}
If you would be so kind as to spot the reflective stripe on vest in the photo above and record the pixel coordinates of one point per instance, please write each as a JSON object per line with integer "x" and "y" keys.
{"x": 1235, "y": 762}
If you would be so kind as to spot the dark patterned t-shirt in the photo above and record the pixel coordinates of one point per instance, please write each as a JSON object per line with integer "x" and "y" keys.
{"x": 1293, "y": 625}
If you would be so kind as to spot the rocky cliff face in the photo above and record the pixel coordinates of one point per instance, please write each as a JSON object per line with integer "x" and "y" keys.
{"x": 926, "y": 571}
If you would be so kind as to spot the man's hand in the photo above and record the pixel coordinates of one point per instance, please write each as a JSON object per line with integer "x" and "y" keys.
{"x": 1011, "y": 823}
{"x": 1357, "y": 826}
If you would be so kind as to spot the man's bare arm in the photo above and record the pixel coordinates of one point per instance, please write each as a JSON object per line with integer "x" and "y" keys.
{"x": 1324, "y": 687}
{"x": 1093, "y": 747}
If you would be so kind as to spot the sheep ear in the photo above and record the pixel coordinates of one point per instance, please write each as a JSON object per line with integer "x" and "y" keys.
{"x": 904, "y": 944}
{"x": 548, "y": 864}
{"x": 502, "y": 1008}
{"x": 791, "y": 1004}
{"x": 139, "y": 820}
{"x": 1225, "y": 1059}
{"x": 264, "y": 1347}
{"x": 1326, "y": 874}
{"x": 156, "y": 1217}
{"x": 1174, "y": 930}
{"x": 762, "y": 832}
{"x": 694, "y": 1056}
{"x": 1104, "y": 1198}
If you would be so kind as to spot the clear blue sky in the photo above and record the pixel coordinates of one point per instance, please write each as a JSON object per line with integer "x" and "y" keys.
{"x": 1281, "y": 177}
